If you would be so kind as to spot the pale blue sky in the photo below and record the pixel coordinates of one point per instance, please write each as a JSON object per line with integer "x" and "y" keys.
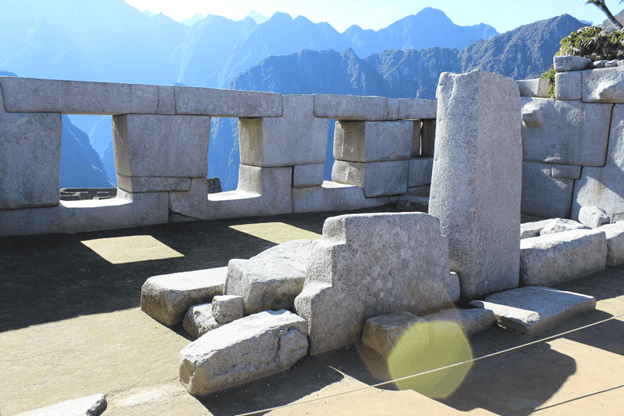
{"x": 504, "y": 15}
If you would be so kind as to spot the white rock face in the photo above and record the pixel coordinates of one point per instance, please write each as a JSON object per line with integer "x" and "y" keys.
{"x": 199, "y": 320}
{"x": 568, "y": 86}
{"x": 604, "y": 85}
{"x": 534, "y": 309}
{"x": 560, "y": 225}
{"x": 382, "y": 333}
{"x": 93, "y": 405}
{"x": 247, "y": 349}
{"x": 308, "y": 175}
{"x": 570, "y": 63}
{"x": 615, "y": 243}
{"x": 593, "y": 217}
{"x": 350, "y": 107}
{"x": 272, "y": 279}
{"x": 555, "y": 258}
{"x": 166, "y": 298}
{"x": 227, "y": 308}
{"x": 478, "y": 160}
{"x": 372, "y": 264}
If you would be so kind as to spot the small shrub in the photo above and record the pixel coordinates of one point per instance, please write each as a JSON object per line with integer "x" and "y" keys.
{"x": 593, "y": 43}
{"x": 550, "y": 76}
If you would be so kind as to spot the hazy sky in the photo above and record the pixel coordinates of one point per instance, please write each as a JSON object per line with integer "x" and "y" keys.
{"x": 504, "y": 15}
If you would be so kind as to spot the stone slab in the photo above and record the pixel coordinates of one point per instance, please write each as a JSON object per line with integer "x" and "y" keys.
{"x": 295, "y": 138}
{"x": 417, "y": 109}
{"x": 554, "y": 258}
{"x": 603, "y": 187}
{"x": 392, "y": 109}
{"x": 532, "y": 229}
{"x": 477, "y": 179}
{"x": 570, "y": 63}
{"x": 471, "y": 321}
{"x": 565, "y": 172}
{"x": 413, "y": 203}
{"x": 372, "y": 141}
{"x": 272, "y": 279}
{"x": 603, "y": 85}
{"x": 247, "y": 349}
{"x": 615, "y": 243}
{"x": 382, "y": 333}
{"x": 367, "y": 265}
{"x": 593, "y": 217}
{"x": 93, "y": 405}
{"x": 226, "y": 103}
{"x": 537, "y": 87}
{"x": 167, "y": 298}
{"x": 350, "y": 107}
{"x": 140, "y": 184}
{"x": 560, "y": 225}
{"x": 199, "y": 319}
{"x": 308, "y": 175}
{"x": 568, "y": 85}
{"x": 161, "y": 146}
{"x": 375, "y": 178}
{"x": 418, "y": 191}
{"x": 30, "y": 159}
{"x": 420, "y": 170}
{"x": 29, "y": 95}
{"x": 227, "y": 308}
{"x": 332, "y": 196}
{"x": 534, "y": 309}
{"x": 166, "y": 100}
{"x": 565, "y": 132}
{"x": 543, "y": 195}
{"x": 125, "y": 211}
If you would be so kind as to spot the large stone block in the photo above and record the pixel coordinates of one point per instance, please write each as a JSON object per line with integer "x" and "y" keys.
{"x": 417, "y": 109}
{"x": 272, "y": 279}
{"x": 199, "y": 319}
{"x": 227, "y": 103}
{"x": 30, "y": 159}
{"x": 93, "y": 405}
{"x": 382, "y": 333}
{"x": 561, "y": 225}
{"x": 420, "y": 172}
{"x": 471, "y": 321}
{"x": 565, "y": 172}
{"x": 161, "y": 146}
{"x": 554, "y": 258}
{"x": 124, "y": 211}
{"x": 228, "y": 308}
{"x": 544, "y": 195}
{"x": 373, "y": 141}
{"x": 615, "y": 243}
{"x": 350, "y": 107}
{"x": 604, "y": 85}
{"x": 568, "y": 85}
{"x": 375, "y": 178}
{"x": 247, "y": 349}
{"x": 565, "y": 132}
{"x": 533, "y": 229}
{"x": 308, "y": 175}
{"x": 476, "y": 181}
{"x": 533, "y": 87}
{"x": 570, "y": 63}
{"x": 368, "y": 265}
{"x": 593, "y": 217}
{"x": 295, "y": 138}
{"x": 604, "y": 187}
{"x": 167, "y": 297}
{"x": 531, "y": 310}
{"x": 149, "y": 184}
{"x": 332, "y": 196}
{"x": 28, "y": 95}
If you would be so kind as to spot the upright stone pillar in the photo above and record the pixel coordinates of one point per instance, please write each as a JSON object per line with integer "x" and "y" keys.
{"x": 477, "y": 179}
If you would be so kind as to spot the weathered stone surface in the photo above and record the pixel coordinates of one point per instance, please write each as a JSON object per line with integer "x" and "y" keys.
{"x": 533, "y": 87}
{"x": 372, "y": 141}
{"x": 559, "y": 225}
{"x": 543, "y": 195}
{"x": 615, "y": 243}
{"x": 478, "y": 160}
{"x": 593, "y": 217}
{"x": 308, "y": 175}
{"x": 260, "y": 192}
{"x": 604, "y": 85}
{"x": 93, "y": 405}
{"x": 149, "y": 184}
{"x": 604, "y": 187}
{"x": 532, "y": 229}
{"x": 427, "y": 138}
{"x": 471, "y": 321}
{"x": 368, "y": 265}
{"x": 415, "y": 147}
{"x": 565, "y": 172}
{"x": 227, "y": 308}
{"x": 167, "y": 297}
{"x": 272, "y": 279}
{"x": 568, "y": 85}
{"x": 30, "y": 159}
{"x": 382, "y": 333}
{"x": 28, "y": 95}
{"x": 570, "y": 63}
{"x": 247, "y": 349}
{"x": 124, "y": 211}
{"x": 417, "y": 109}
{"x": 161, "y": 146}
{"x": 199, "y": 319}
{"x": 375, "y": 178}
{"x": 554, "y": 258}
{"x": 413, "y": 203}
{"x": 565, "y": 132}
{"x": 420, "y": 171}
{"x": 534, "y": 309}
{"x": 332, "y": 196}
{"x": 227, "y": 103}
{"x": 295, "y": 138}
{"x": 392, "y": 109}
{"x": 350, "y": 107}
{"x": 166, "y": 100}
{"x": 418, "y": 191}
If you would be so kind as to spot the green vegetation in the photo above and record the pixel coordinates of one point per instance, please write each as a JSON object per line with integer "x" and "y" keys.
{"x": 550, "y": 76}
{"x": 593, "y": 43}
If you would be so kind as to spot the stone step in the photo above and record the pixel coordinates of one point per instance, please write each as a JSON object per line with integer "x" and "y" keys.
{"x": 534, "y": 309}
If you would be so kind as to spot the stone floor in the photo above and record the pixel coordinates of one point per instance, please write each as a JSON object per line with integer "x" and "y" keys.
{"x": 70, "y": 327}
